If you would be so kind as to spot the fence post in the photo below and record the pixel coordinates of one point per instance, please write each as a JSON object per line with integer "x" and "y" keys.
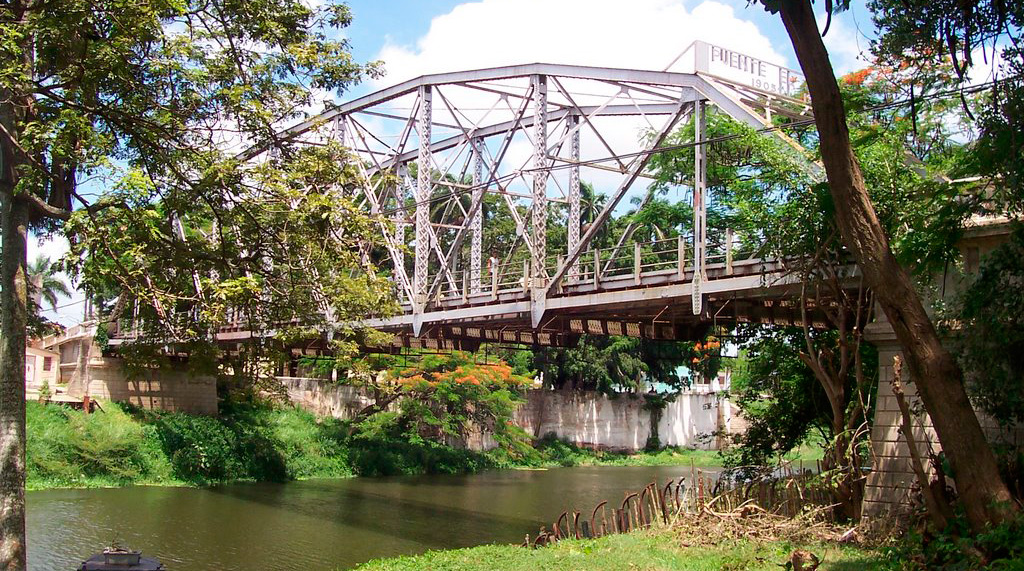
{"x": 681, "y": 257}
{"x": 494, "y": 277}
{"x": 636, "y": 263}
{"x": 728, "y": 251}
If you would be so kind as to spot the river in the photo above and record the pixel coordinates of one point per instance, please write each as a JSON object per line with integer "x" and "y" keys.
{"x": 318, "y": 524}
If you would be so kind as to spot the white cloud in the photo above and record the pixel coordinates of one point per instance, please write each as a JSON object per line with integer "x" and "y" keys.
{"x": 987, "y": 64}
{"x": 648, "y": 34}
{"x": 848, "y": 49}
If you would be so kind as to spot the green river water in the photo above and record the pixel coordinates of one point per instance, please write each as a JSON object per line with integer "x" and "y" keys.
{"x": 318, "y": 524}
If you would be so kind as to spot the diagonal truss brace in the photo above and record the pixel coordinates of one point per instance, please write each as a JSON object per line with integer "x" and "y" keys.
{"x": 634, "y": 171}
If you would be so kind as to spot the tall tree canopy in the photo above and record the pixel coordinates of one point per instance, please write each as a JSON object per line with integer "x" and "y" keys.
{"x": 938, "y": 377}
{"x": 120, "y": 122}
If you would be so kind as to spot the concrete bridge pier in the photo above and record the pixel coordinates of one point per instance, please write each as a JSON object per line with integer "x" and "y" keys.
{"x": 891, "y": 488}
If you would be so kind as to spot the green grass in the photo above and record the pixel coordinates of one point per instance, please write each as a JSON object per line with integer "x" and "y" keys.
{"x": 808, "y": 452}
{"x": 642, "y": 550}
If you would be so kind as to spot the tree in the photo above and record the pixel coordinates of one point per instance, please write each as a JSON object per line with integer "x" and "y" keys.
{"x": 615, "y": 364}
{"x": 151, "y": 102}
{"x": 938, "y": 377}
{"x": 990, "y": 333}
{"x": 43, "y": 283}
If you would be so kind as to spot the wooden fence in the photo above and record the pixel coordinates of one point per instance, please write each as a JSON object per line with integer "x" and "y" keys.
{"x": 789, "y": 493}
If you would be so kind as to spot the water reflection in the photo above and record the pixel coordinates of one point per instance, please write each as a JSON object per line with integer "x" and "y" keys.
{"x": 320, "y": 524}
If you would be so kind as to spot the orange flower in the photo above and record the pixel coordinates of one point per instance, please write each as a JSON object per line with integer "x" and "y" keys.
{"x": 857, "y": 77}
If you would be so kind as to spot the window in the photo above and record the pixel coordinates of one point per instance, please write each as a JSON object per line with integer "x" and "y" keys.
{"x": 47, "y": 363}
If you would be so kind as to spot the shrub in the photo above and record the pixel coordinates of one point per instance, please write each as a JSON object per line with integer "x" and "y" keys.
{"x": 67, "y": 446}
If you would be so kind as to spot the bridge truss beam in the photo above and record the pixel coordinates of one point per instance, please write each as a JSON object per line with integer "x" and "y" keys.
{"x": 517, "y": 141}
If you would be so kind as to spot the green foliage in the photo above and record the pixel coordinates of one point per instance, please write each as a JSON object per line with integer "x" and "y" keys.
{"x": 956, "y": 549}
{"x": 922, "y": 36}
{"x": 781, "y": 399}
{"x": 441, "y": 398}
{"x": 551, "y": 451}
{"x": 123, "y": 445}
{"x": 784, "y": 404}
{"x": 988, "y": 327}
{"x": 153, "y": 102}
{"x": 70, "y": 448}
{"x": 44, "y": 391}
{"x": 616, "y": 364}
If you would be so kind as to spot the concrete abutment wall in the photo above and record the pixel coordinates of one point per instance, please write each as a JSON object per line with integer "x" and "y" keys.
{"x": 584, "y": 418}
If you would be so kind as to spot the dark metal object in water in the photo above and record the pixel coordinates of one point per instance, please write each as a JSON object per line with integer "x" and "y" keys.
{"x": 120, "y": 560}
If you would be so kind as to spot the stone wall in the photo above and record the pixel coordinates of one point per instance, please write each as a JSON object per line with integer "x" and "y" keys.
{"x": 160, "y": 389}
{"x": 584, "y": 418}
{"x": 891, "y": 483}
{"x": 323, "y": 398}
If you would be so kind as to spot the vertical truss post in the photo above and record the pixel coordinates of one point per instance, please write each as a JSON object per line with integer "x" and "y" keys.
{"x": 700, "y": 209}
{"x": 399, "y": 217}
{"x": 537, "y": 282}
{"x": 572, "y": 124}
{"x": 493, "y": 269}
{"x": 476, "y": 223}
{"x": 423, "y": 191}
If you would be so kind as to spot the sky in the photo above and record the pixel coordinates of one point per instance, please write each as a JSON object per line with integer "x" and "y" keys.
{"x": 417, "y": 37}
{"x": 414, "y": 37}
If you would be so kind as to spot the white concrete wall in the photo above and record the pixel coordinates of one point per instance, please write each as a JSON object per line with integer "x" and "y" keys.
{"x": 158, "y": 389}
{"x": 692, "y": 417}
{"x": 324, "y": 398}
{"x": 587, "y": 419}
{"x": 595, "y": 421}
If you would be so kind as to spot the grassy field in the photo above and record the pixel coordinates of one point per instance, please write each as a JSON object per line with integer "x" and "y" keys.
{"x": 642, "y": 550}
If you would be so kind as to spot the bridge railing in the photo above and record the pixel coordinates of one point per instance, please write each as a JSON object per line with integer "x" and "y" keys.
{"x": 595, "y": 266}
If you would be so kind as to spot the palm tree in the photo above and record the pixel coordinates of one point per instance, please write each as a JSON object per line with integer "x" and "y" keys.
{"x": 43, "y": 283}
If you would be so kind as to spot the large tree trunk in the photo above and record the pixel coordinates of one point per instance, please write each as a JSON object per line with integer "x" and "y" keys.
{"x": 986, "y": 498}
{"x": 13, "y": 321}
{"x": 939, "y": 380}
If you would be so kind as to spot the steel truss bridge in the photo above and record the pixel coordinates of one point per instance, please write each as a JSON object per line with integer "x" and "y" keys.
{"x": 432, "y": 148}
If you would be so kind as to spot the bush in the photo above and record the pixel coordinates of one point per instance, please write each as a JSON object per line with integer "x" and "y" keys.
{"x": 201, "y": 449}
{"x": 71, "y": 447}
{"x": 954, "y": 549}
{"x": 312, "y": 447}
{"x": 125, "y": 444}
{"x": 384, "y": 444}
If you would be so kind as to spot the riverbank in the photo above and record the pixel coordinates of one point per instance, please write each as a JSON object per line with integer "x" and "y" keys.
{"x": 661, "y": 548}
{"x": 124, "y": 446}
